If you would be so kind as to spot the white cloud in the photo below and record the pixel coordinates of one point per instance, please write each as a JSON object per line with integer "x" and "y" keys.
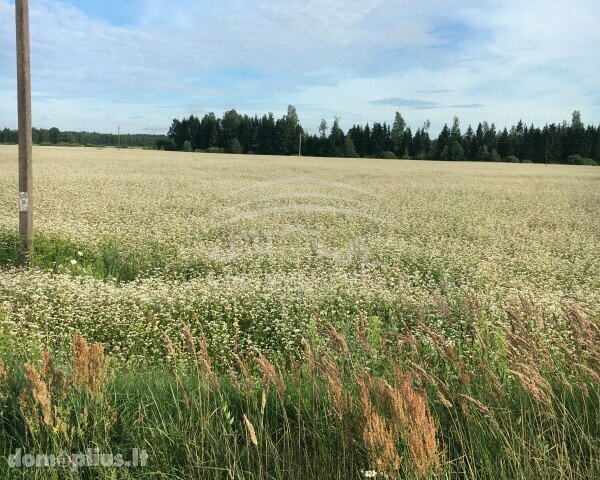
{"x": 535, "y": 60}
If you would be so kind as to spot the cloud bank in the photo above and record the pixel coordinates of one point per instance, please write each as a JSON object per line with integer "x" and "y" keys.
{"x": 97, "y": 64}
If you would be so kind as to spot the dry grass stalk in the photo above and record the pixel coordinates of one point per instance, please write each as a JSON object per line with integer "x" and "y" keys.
{"x": 448, "y": 352}
{"x": 270, "y": 375}
{"x": 4, "y": 378}
{"x": 251, "y": 431}
{"x": 234, "y": 379}
{"x": 52, "y": 376}
{"x": 441, "y": 305}
{"x": 362, "y": 333}
{"x": 365, "y": 384}
{"x": 423, "y": 376}
{"x": 205, "y": 359}
{"x": 89, "y": 366}
{"x": 482, "y": 408}
{"x": 309, "y": 355}
{"x": 586, "y": 335}
{"x": 590, "y": 371}
{"x": 498, "y": 387}
{"x": 35, "y": 400}
{"x": 530, "y": 386}
{"x": 189, "y": 343}
{"x": 443, "y": 400}
{"x": 337, "y": 342}
{"x": 243, "y": 369}
{"x": 519, "y": 345}
{"x": 3, "y": 372}
{"x": 333, "y": 378}
{"x": 406, "y": 420}
{"x": 173, "y": 356}
{"x": 380, "y": 443}
{"x": 422, "y": 431}
{"x": 393, "y": 406}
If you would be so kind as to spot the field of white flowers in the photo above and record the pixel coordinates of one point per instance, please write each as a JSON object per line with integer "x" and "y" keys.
{"x": 253, "y": 250}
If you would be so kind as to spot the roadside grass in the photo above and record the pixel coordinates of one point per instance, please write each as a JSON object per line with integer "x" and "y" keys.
{"x": 409, "y": 405}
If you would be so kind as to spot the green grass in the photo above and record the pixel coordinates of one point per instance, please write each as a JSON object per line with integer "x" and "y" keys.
{"x": 108, "y": 260}
{"x": 500, "y": 413}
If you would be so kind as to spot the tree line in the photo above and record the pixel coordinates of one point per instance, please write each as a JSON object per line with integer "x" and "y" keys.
{"x": 53, "y": 136}
{"x": 571, "y": 143}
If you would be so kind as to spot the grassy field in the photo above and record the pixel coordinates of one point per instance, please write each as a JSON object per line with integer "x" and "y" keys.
{"x": 276, "y": 317}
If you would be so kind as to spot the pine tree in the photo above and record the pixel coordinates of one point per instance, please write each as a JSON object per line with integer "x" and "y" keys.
{"x": 483, "y": 155}
{"x": 336, "y": 140}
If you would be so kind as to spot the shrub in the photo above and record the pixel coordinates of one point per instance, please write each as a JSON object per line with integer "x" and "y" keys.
{"x": 579, "y": 160}
{"x": 526, "y": 160}
{"x": 187, "y": 146}
{"x": 511, "y": 159}
{"x": 214, "y": 150}
{"x": 388, "y": 155}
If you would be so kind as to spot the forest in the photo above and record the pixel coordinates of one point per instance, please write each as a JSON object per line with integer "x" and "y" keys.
{"x": 54, "y": 136}
{"x": 566, "y": 143}
{"x": 234, "y": 133}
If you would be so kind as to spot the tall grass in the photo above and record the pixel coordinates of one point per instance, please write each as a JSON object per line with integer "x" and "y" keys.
{"x": 517, "y": 400}
{"x": 107, "y": 260}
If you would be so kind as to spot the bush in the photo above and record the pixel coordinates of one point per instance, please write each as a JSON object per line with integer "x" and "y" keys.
{"x": 187, "y": 146}
{"x": 526, "y": 160}
{"x": 388, "y": 155}
{"x": 214, "y": 150}
{"x": 579, "y": 160}
{"x": 511, "y": 159}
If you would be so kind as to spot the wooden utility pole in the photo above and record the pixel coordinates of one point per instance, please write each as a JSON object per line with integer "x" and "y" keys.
{"x": 119, "y": 135}
{"x": 25, "y": 154}
{"x": 300, "y": 146}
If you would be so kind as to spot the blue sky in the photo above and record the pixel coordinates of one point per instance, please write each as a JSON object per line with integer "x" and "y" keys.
{"x": 97, "y": 64}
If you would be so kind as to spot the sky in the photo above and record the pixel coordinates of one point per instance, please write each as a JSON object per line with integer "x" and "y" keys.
{"x": 137, "y": 64}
